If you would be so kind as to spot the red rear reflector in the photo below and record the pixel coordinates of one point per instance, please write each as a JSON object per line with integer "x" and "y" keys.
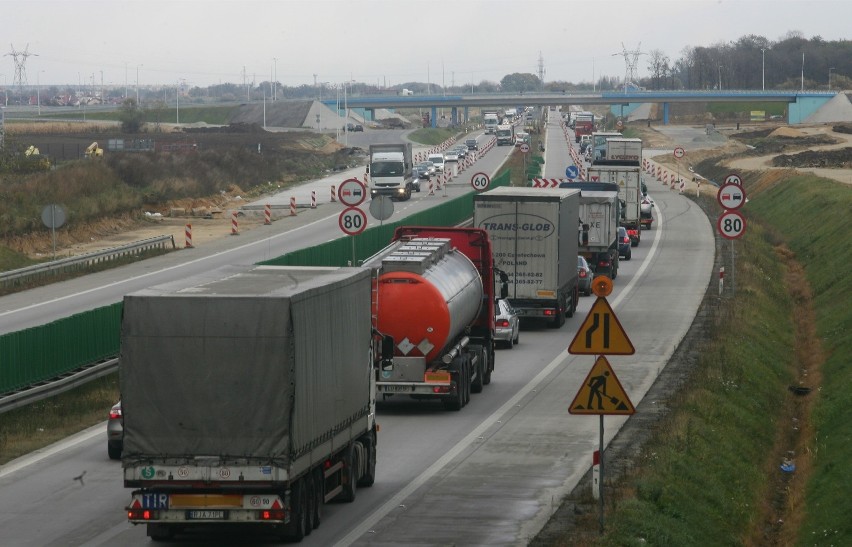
{"x": 278, "y": 514}
{"x": 548, "y": 312}
{"x": 141, "y": 514}
{"x": 441, "y": 389}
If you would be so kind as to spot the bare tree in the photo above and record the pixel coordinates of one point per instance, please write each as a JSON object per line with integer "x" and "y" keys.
{"x": 658, "y": 65}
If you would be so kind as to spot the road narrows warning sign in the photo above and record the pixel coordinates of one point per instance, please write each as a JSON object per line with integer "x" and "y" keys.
{"x": 601, "y": 393}
{"x": 601, "y": 333}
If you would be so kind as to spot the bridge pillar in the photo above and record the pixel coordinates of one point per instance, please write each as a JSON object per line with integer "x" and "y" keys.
{"x": 665, "y": 113}
{"x": 466, "y": 114}
{"x": 434, "y": 116}
{"x": 454, "y": 115}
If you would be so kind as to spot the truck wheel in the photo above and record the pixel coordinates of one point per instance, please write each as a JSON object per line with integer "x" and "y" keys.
{"x": 319, "y": 496}
{"x": 467, "y": 375}
{"x": 574, "y": 295}
{"x": 559, "y": 319}
{"x": 351, "y": 465}
{"x": 477, "y": 384}
{"x": 298, "y": 527}
{"x": 456, "y": 402}
{"x": 160, "y": 532}
{"x": 369, "y": 477}
{"x": 488, "y": 366}
{"x": 310, "y": 501}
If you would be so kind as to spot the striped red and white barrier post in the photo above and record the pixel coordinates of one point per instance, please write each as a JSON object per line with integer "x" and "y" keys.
{"x": 188, "y": 235}
{"x": 267, "y": 214}
{"x": 333, "y": 194}
{"x": 293, "y": 206}
{"x": 313, "y": 199}
{"x": 431, "y": 188}
{"x": 235, "y": 227}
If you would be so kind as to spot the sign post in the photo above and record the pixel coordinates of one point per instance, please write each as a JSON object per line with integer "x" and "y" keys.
{"x": 601, "y": 393}
{"x": 679, "y": 152}
{"x": 352, "y": 221}
{"x": 731, "y": 223}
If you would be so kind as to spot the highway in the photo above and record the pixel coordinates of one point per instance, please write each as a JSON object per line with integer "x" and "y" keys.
{"x": 491, "y": 474}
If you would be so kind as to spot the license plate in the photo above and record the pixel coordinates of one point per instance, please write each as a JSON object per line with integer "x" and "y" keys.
{"x": 206, "y": 515}
{"x": 396, "y": 389}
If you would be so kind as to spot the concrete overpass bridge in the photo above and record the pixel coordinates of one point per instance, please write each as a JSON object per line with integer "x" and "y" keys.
{"x": 801, "y": 103}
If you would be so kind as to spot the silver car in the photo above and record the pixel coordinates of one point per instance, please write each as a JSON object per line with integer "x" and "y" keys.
{"x": 507, "y": 325}
{"x": 115, "y": 432}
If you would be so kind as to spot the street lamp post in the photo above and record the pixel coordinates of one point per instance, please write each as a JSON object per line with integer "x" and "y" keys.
{"x": 763, "y": 68}
{"x": 720, "y": 77}
{"x": 829, "y": 78}
{"x": 137, "y": 84}
{"x": 38, "y": 91}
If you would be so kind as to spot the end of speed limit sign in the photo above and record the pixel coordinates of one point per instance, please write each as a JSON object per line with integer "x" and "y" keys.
{"x": 480, "y": 181}
{"x": 352, "y": 221}
{"x": 731, "y": 225}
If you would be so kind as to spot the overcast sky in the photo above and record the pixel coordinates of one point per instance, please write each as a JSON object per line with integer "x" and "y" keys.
{"x": 387, "y": 42}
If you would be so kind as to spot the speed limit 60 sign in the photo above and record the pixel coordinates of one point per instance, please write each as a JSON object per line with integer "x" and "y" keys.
{"x": 480, "y": 181}
{"x": 352, "y": 221}
{"x": 731, "y": 225}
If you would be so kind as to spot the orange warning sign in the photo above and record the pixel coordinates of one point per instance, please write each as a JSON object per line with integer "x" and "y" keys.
{"x": 601, "y": 393}
{"x": 601, "y": 333}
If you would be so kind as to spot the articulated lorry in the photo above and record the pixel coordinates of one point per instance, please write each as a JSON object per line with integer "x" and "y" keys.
{"x": 598, "y": 227}
{"x": 435, "y": 296}
{"x": 491, "y": 121}
{"x": 599, "y": 144}
{"x": 389, "y": 171}
{"x": 623, "y": 166}
{"x": 534, "y": 234}
{"x": 248, "y": 397}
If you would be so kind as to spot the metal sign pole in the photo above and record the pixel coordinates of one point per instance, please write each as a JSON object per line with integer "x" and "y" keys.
{"x": 602, "y": 474}
{"x": 353, "y": 249}
{"x": 733, "y": 270}
{"x": 53, "y": 228}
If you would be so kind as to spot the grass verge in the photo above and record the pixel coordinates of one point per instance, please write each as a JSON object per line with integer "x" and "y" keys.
{"x": 711, "y": 472}
{"x": 40, "y": 424}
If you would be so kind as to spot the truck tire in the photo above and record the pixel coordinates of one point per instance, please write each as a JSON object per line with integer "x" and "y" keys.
{"x": 310, "y": 502}
{"x": 351, "y": 464}
{"x": 573, "y": 306}
{"x": 477, "y": 384}
{"x": 559, "y": 318}
{"x": 456, "y": 402}
{"x": 488, "y": 366}
{"x": 319, "y": 496}
{"x": 298, "y": 527}
{"x": 369, "y": 477}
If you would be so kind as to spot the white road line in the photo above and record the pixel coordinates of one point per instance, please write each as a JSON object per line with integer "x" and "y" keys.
{"x": 468, "y": 440}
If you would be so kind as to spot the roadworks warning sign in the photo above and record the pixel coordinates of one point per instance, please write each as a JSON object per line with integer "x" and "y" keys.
{"x": 601, "y": 393}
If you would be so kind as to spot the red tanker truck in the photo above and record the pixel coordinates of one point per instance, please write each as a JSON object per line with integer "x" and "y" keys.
{"x": 433, "y": 307}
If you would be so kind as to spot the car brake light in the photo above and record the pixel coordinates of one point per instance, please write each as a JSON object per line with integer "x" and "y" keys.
{"x": 503, "y": 323}
{"x": 603, "y": 264}
{"x": 115, "y": 414}
{"x": 582, "y": 273}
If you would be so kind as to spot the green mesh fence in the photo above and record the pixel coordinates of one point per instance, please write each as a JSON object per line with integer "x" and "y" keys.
{"x": 47, "y": 351}
{"x": 41, "y": 353}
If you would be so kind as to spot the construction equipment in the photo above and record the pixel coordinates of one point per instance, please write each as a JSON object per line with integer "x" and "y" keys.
{"x": 94, "y": 151}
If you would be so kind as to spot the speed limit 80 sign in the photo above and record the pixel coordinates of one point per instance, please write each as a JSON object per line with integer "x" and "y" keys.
{"x": 352, "y": 221}
{"x": 731, "y": 225}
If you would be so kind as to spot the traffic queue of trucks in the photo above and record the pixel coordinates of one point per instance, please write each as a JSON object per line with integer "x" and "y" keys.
{"x": 249, "y": 393}
{"x": 620, "y": 164}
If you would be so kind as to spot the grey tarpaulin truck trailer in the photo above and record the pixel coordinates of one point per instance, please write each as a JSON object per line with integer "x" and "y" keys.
{"x": 248, "y": 396}
{"x": 533, "y": 234}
